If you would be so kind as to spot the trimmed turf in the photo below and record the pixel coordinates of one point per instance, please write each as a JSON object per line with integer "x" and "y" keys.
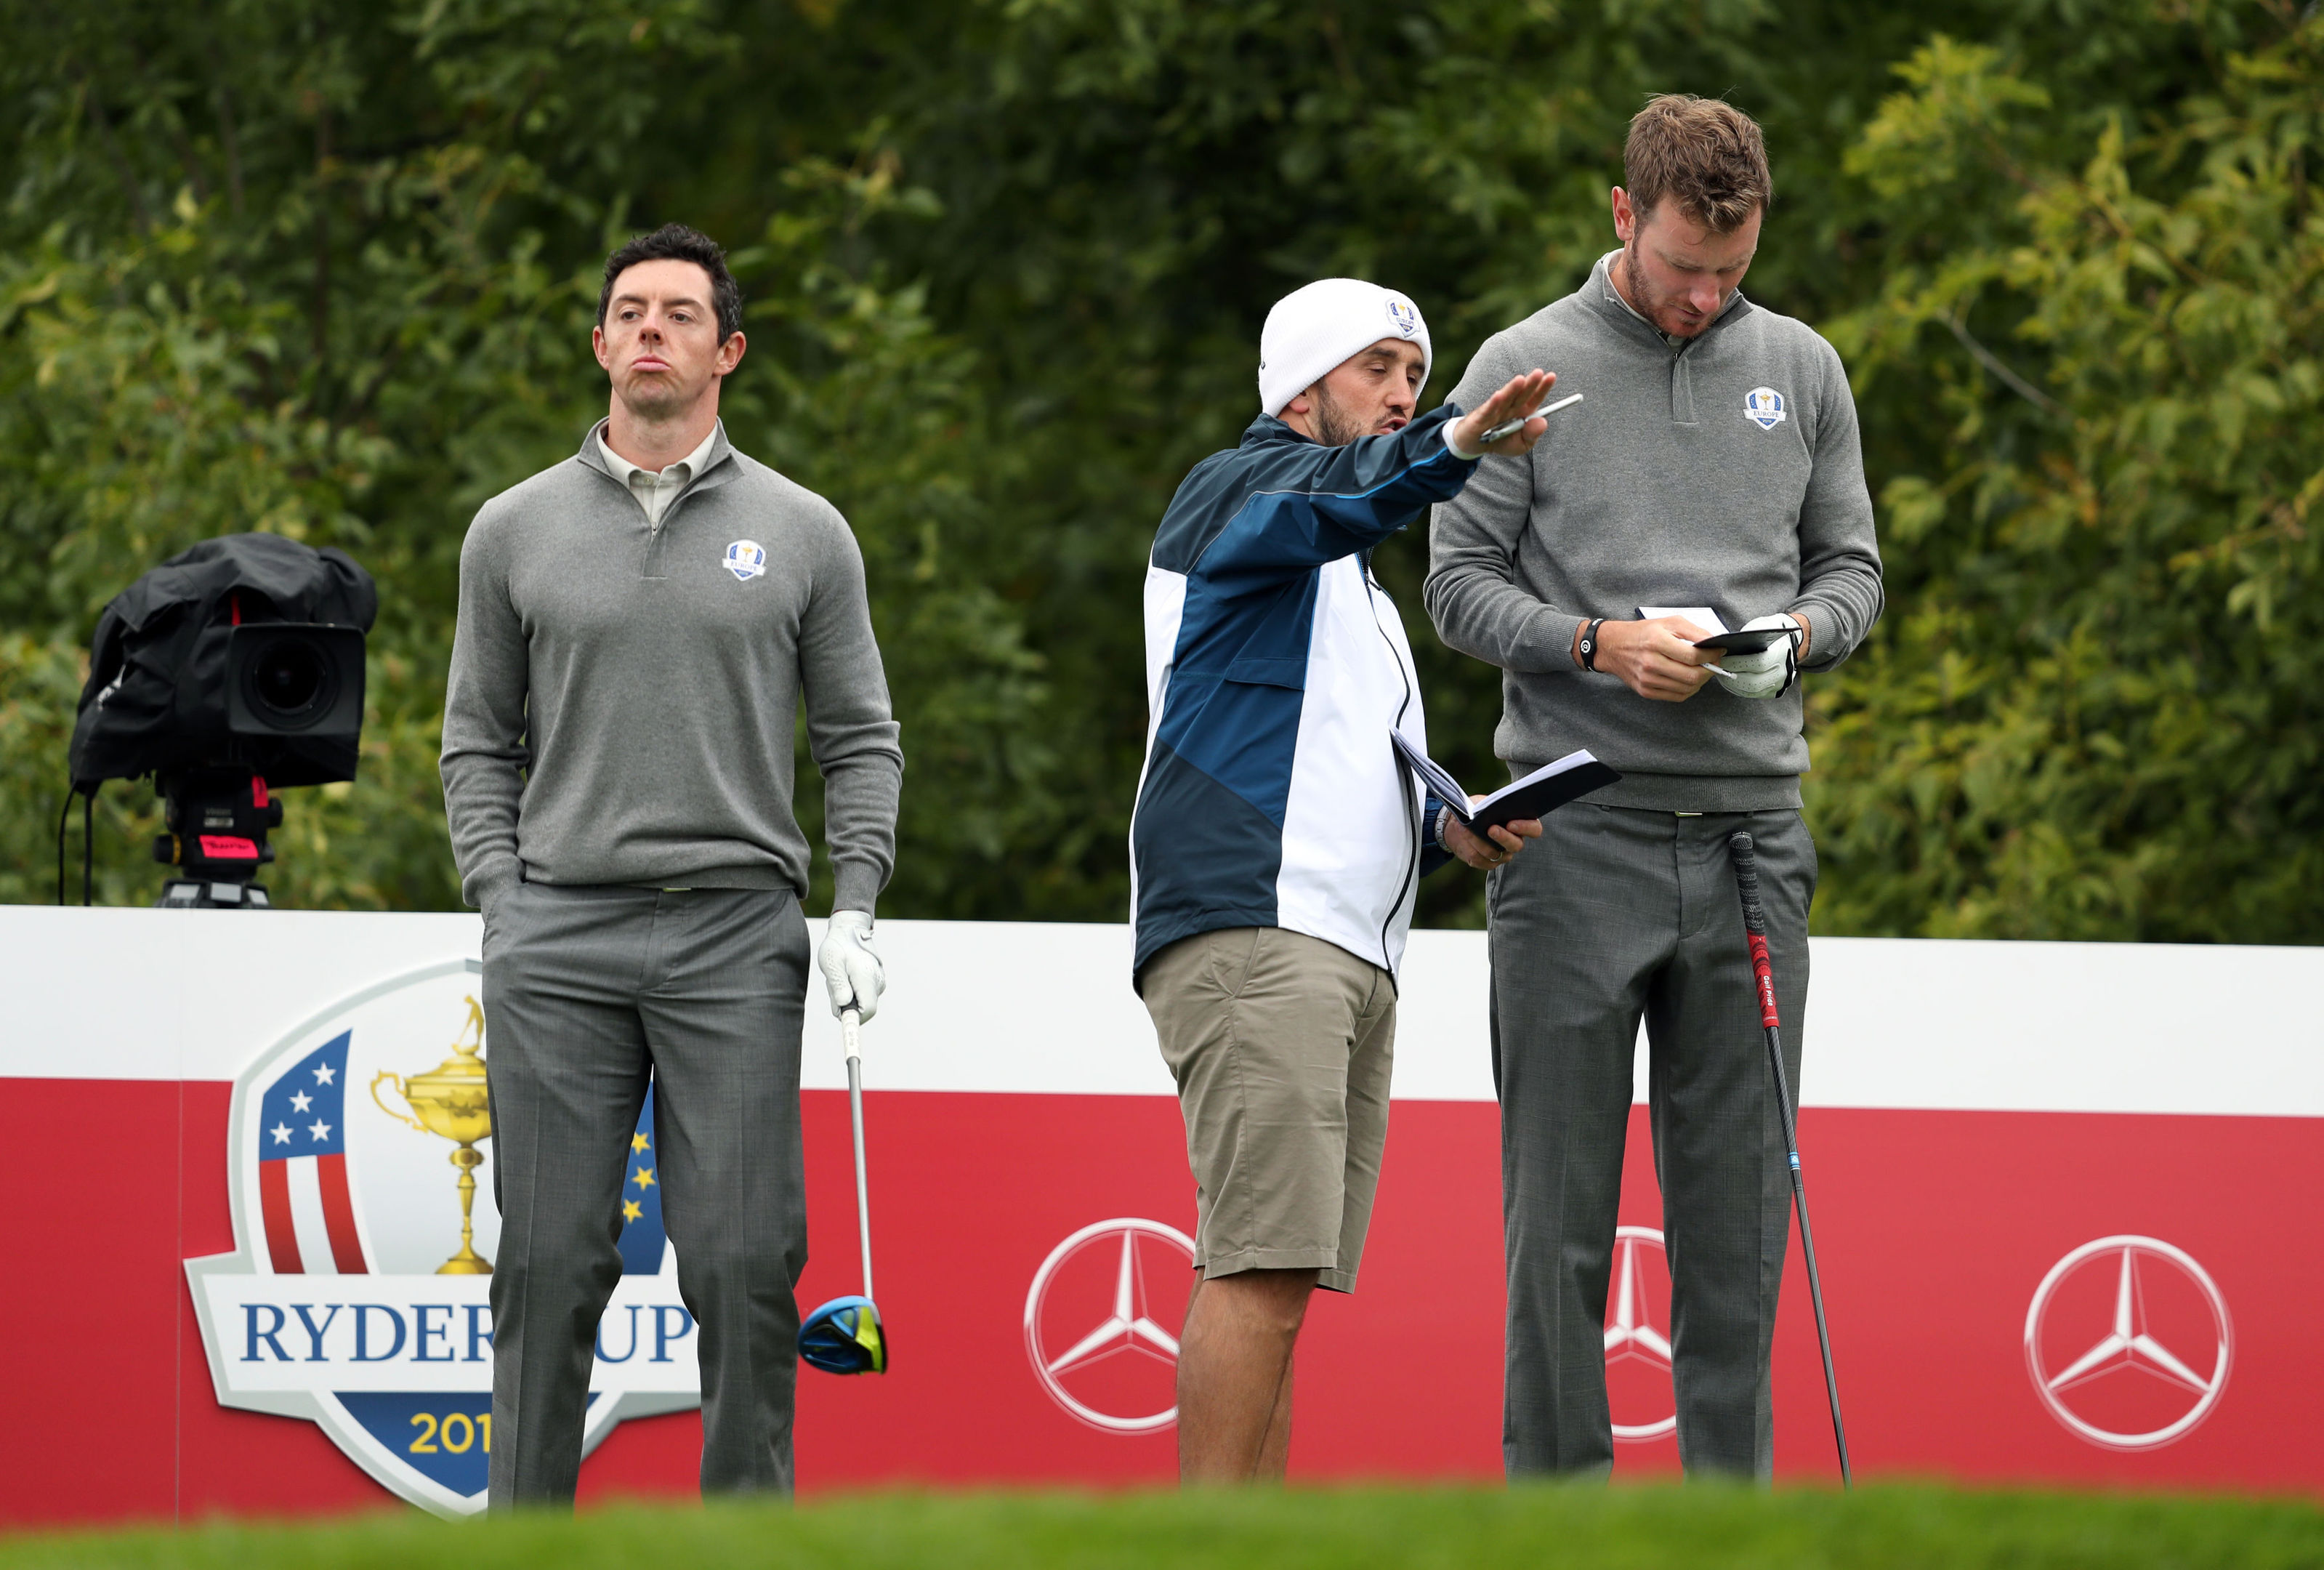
{"x": 1595, "y": 1528}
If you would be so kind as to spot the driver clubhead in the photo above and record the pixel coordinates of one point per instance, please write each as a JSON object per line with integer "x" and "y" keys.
{"x": 844, "y": 1336}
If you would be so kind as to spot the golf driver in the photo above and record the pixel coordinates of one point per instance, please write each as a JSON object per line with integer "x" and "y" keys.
{"x": 1755, "y": 928}
{"x": 844, "y": 1336}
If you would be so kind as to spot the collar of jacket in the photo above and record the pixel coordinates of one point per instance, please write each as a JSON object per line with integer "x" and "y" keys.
{"x": 1600, "y": 295}
{"x": 1268, "y": 431}
{"x": 716, "y": 468}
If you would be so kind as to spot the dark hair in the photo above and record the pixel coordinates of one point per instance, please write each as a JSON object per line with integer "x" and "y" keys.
{"x": 1705, "y": 153}
{"x": 677, "y": 242}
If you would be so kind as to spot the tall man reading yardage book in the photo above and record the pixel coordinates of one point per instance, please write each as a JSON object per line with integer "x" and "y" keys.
{"x": 1714, "y": 464}
{"x": 1277, "y": 839}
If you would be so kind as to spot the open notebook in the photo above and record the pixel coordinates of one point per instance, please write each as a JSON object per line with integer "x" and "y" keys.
{"x": 1539, "y": 794}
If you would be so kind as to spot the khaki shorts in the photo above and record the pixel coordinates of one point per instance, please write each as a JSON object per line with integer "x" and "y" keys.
{"x": 1281, "y": 1045}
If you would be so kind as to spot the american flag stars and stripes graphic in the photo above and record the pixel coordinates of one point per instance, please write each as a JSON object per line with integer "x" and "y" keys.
{"x": 302, "y": 1167}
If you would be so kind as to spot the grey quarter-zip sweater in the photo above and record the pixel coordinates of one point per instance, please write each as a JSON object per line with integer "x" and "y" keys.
{"x": 1722, "y": 470}
{"x": 625, "y": 689}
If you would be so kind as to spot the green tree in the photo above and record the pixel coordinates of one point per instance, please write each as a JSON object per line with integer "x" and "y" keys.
{"x": 1125, "y": 186}
{"x": 341, "y": 291}
{"x": 330, "y": 272}
{"x": 2093, "y": 712}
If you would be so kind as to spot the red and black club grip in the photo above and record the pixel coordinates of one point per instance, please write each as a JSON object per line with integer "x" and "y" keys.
{"x": 1755, "y": 923}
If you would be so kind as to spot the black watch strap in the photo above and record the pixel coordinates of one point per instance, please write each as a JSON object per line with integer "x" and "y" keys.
{"x": 1590, "y": 643}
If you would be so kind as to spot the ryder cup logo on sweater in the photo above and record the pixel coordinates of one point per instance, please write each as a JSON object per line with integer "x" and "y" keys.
{"x": 358, "y": 1165}
{"x": 1404, "y": 314}
{"x": 1764, "y": 407}
{"x": 746, "y": 560}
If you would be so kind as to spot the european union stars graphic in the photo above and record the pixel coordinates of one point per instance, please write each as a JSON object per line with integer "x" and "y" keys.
{"x": 642, "y": 1238}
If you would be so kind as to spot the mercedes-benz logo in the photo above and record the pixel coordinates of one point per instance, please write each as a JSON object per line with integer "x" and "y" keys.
{"x": 2121, "y": 1304}
{"x": 1102, "y": 1274}
{"x": 1641, "y": 1284}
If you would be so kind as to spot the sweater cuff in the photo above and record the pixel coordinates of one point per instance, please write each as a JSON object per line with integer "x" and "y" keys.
{"x": 1557, "y": 630}
{"x": 485, "y": 886}
{"x": 1824, "y": 650}
{"x": 856, "y": 886}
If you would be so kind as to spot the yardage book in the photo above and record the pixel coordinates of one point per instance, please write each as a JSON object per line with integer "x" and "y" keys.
{"x": 1720, "y": 638}
{"x": 1537, "y": 795}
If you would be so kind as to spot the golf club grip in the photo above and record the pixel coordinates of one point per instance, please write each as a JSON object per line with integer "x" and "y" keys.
{"x": 1755, "y": 924}
{"x": 1746, "y": 880}
{"x": 851, "y": 1032}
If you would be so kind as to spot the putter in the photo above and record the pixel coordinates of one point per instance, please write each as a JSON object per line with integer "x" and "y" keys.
{"x": 1755, "y": 928}
{"x": 844, "y": 1336}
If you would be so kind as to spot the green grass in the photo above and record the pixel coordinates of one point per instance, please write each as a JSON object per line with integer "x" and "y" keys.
{"x": 1589, "y": 1527}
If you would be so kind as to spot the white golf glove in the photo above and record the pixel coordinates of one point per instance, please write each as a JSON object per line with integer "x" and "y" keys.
{"x": 851, "y": 970}
{"x": 1770, "y": 672}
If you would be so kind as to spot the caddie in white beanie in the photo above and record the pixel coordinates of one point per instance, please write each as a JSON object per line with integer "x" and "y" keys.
{"x": 1278, "y": 843}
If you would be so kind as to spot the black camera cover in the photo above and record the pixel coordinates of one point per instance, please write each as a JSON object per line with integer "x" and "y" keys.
{"x": 160, "y": 686}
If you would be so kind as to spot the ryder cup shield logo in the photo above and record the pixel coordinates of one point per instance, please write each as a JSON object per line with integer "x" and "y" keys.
{"x": 746, "y": 560}
{"x": 1764, "y": 407}
{"x": 1404, "y": 314}
{"x": 359, "y": 1157}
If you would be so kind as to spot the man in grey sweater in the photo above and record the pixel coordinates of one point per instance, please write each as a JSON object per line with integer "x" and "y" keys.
{"x": 638, "y": 627}
{"x": 1714, "y": 467}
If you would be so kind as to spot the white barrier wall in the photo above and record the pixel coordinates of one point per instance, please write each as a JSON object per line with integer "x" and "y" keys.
{"x": 1900, "y": 1023}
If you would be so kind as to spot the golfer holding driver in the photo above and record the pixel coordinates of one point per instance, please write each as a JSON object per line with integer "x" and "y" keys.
{"x": 1278, "y": 841}
{"x": 1715, "y": 464}
{"x": 638, "y": 627}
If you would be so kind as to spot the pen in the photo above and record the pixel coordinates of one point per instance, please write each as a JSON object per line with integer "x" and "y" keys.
{"x": 1508, "y": 428}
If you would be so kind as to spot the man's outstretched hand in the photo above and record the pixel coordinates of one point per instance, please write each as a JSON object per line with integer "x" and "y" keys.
{"x": 1521, "y": 395}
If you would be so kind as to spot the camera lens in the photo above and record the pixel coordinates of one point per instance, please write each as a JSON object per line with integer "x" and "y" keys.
{"x": 291, "y": 680}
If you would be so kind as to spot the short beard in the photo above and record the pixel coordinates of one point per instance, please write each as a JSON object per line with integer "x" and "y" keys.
{"x": 1333, "y": 425}
{"x": 1646, "y": 304}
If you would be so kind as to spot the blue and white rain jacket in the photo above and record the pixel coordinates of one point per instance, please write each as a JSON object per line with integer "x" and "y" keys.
{"x": 1274, "y": 669}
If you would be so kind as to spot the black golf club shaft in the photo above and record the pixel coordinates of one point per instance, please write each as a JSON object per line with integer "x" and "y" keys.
{"x": 1755, "y": 928}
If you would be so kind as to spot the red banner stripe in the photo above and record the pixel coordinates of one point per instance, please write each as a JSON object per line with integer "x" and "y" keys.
{"x": 274, "y": 1205}
{"x": 339, "y": 1215}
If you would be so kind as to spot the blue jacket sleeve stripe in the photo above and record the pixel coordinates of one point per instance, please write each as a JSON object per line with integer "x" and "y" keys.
{"x": 1354, "y": 497}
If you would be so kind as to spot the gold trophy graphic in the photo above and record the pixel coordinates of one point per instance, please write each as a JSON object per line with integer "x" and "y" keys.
{"x": 450, "y": 1101}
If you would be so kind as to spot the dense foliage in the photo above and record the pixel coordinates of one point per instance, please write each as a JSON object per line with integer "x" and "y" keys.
{"x": 329, "y": 271}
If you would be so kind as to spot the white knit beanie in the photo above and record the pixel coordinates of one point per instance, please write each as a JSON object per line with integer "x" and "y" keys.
{"x": 1312, "y": 330}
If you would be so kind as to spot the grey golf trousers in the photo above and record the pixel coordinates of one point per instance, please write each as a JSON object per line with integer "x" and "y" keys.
{"x": 1613, "y": 914}
{"x": 588, "y": 991}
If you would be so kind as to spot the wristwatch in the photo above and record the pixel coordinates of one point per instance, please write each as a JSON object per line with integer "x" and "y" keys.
{"x": 1589, "y": 648}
